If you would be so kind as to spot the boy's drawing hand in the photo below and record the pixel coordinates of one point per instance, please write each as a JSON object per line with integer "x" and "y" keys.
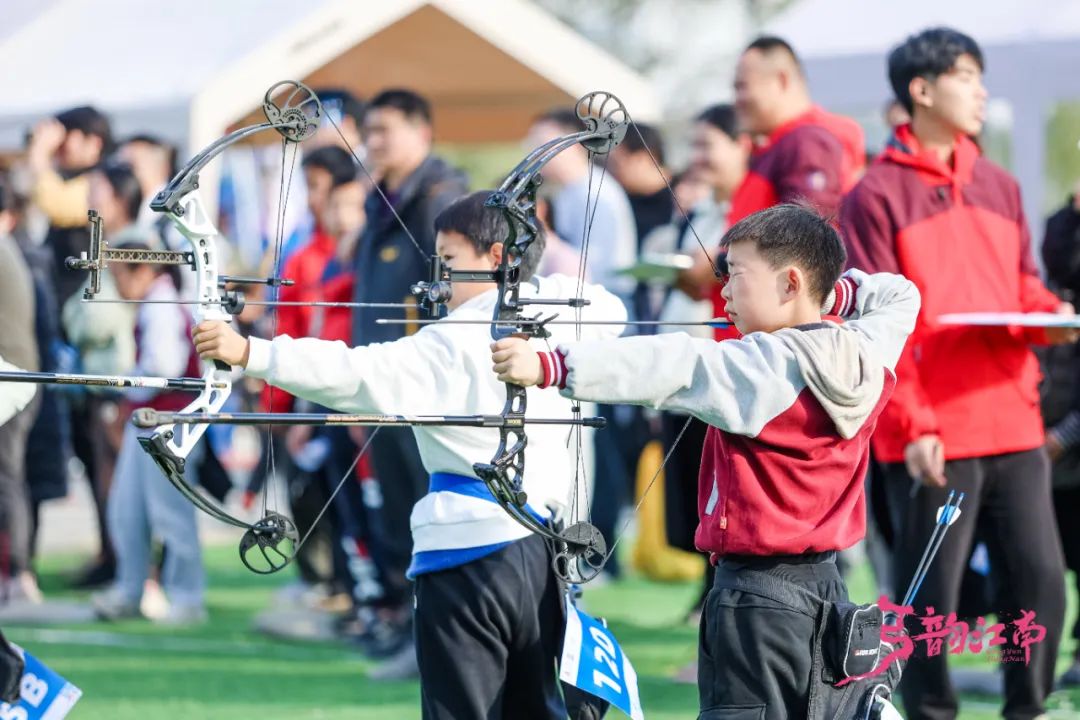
{"x": 215, "y": 340}
{"x": 516, "y": 362}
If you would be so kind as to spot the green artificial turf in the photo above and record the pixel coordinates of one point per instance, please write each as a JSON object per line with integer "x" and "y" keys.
{"x": 134, "y": 670}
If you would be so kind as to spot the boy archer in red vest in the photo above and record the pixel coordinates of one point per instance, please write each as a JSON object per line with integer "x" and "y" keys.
{"x": 790, "y": 406}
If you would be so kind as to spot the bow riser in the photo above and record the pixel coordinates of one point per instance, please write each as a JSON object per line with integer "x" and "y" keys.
{"x": 191, "y": 219}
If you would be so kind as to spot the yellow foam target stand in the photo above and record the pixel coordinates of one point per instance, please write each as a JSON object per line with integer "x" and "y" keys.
{"x": 652, "y": 556}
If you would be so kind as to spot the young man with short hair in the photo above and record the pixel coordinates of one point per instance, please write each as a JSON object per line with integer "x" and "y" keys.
{"x": 791, "y": 407}
{"x": 965, "y": 414}
{"x": 398, "y": 136}
{"x": 489, "y": 609}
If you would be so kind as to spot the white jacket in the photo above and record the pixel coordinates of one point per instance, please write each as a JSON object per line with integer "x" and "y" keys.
{"x": 445, "y": 369}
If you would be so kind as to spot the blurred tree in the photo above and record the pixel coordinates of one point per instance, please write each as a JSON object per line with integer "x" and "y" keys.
{"x": 1062, "y": 154}
{"x": 687, "y": 48}
{"x": 624, "y": 27}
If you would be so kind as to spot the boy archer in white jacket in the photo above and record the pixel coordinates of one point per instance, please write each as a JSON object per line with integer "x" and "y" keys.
{"x": 489, "y": 611}
{"x": 791, "y": 406}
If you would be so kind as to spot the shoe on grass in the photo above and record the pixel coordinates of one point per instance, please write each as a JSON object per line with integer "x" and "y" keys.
{"x": 400, "y": 666}
{"x": 1071, "y": 677}
{"x": 154, "y": 605}
{"x": 183, "y": 616}
{"x": 113, "y": 604}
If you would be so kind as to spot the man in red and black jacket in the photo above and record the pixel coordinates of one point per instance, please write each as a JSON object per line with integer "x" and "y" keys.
{"x": 802, "y": 153}
{"x": 965, "y": 412}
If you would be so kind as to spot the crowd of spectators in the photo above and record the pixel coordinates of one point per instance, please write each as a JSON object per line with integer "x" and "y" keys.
{"x": 965, "y": 415}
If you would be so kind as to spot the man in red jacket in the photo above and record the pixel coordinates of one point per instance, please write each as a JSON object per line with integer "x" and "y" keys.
{"x": 802, "y": 153}
{"x": 965, "y": 413}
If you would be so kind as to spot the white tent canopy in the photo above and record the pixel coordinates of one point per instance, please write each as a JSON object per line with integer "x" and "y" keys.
{"x": 1031, "y": 47}
{"x": 186, "y": 71}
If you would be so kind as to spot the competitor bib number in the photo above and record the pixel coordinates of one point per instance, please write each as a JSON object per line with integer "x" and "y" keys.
{"x": 593, "y": 661}
{"x": 44, "y": 694}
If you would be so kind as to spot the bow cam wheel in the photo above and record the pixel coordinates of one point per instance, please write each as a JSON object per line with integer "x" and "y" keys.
{"x": 269, "y": 545}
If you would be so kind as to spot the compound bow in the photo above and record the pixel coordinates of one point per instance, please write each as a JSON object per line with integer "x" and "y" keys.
{"x": 295, "y": 119}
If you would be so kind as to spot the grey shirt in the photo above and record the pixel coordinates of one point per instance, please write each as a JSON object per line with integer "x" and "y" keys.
{"x": 610, "y": 223}
{"x": 18, "y": 343}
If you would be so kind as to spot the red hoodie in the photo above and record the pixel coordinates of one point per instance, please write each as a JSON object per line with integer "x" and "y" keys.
{"x": 960, "y": 235}
{"x": 813, "y": 158}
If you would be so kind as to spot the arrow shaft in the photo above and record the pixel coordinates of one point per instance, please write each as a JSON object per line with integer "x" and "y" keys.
{"x": 116, "y": 381}
{"x": 451, "y": 321}
{"x": 147, "y": 418}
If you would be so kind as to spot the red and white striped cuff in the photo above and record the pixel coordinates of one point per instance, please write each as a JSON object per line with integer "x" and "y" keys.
{"x": 844, "y": 304}
{"x": 553, "y": 365}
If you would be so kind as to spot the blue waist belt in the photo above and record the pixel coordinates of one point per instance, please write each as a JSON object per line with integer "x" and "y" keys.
{"x": 434, "y": 560}
{"x": 471, "y": 487}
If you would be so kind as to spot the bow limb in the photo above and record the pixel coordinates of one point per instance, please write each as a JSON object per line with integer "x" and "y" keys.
{"x": 170, "y": 444}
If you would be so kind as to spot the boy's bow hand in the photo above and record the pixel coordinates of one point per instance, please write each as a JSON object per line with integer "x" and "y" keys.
{"x": 514, "y": 361}
{"x": 215, "y": 340}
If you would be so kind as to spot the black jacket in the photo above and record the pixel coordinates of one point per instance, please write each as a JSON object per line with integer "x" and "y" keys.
{"x": 1061, "y": 249}
{"x": 1060, "y": 388}
{"x": 387, "y": 263}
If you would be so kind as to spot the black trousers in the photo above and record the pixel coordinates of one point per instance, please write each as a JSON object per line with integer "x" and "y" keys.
{"x": 355, "y": 570}
{"x": 1067, "y": 509}
{"x": 488, "y": 636}
{"x": 681, "y": 478}
{"x": 1008, "y": 500}
{"x": 403, "y": 481}
{"x": 15, "y": 507}
{"x": 755, "y": 652}
{"x": 617, "y": 451}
